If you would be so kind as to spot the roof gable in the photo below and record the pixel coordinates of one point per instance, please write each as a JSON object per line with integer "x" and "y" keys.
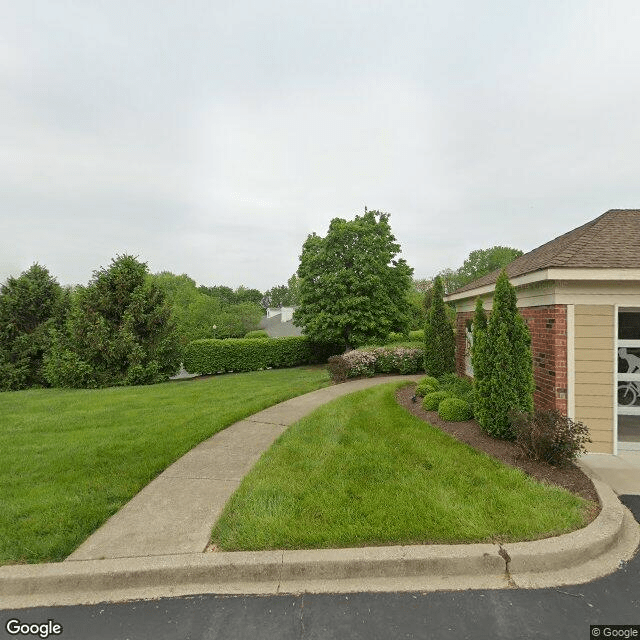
{"x": 611, "y": 241}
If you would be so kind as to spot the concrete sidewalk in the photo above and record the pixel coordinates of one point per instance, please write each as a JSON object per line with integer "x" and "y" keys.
{"x": 621, "y": 472}
{"x": 175, "y": 513}
{"x": 154, "y": 546}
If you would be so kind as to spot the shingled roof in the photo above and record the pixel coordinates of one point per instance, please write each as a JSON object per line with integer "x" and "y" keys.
{"x": 611, "y": 241}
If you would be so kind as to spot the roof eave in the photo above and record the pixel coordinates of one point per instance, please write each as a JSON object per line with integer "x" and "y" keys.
{"x": 552, "y": 273}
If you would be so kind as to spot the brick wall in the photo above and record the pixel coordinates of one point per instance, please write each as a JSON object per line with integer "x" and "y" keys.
{"x": 548, "y": 328}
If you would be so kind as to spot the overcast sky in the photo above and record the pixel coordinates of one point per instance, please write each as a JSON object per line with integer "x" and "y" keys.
{"x": 210, "y": 138}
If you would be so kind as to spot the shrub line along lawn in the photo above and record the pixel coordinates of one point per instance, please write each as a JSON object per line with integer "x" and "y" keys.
{"x": 361, "y": 470}
{"x": 69, "y": 459}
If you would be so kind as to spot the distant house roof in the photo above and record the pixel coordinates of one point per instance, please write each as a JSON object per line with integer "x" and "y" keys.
{"x": 611, "y": 241}
{"x": 276, "y": 328}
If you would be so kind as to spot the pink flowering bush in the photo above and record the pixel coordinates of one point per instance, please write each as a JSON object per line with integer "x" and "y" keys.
{"x": 367, "y": 362}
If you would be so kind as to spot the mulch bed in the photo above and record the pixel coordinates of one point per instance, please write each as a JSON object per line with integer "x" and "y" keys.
{"x": 572, "y": 478}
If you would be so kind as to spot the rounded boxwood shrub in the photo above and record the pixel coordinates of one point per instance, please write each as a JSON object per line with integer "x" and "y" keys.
{"x": 455, "y": 410}
{"x": 433, "y": 399}
{"x": 427, "y": 385}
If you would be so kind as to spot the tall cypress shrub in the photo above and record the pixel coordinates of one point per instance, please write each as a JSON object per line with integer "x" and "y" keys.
{"x": 504, "y": 358}
{"x": 478, "y": 346}
{"x": 439, "y": 339}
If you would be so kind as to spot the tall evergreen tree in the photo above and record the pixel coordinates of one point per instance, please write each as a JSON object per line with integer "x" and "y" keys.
{"x": 439, "y": 338}
{"x": 119, "y": 331}
{"x": 30, "y": 306}
{"x": 504, "y": 357}
{"x": 478, "y": 331}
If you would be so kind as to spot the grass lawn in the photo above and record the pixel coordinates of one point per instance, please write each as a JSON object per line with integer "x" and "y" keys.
{"x": 363, "y": 471}
{"x": 69, "y": 459}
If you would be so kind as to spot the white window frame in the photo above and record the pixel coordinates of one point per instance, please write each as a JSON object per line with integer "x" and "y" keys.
{"x": 623, "y": 377}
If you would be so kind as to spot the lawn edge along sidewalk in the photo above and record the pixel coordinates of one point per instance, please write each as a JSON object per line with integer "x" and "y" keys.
{"x": 573, "y": 558}
{"x": 584, "y": 555}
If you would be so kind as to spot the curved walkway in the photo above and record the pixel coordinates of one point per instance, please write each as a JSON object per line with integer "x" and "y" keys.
{"x": 154, "y": 545}
{"x": 175, "y": 513}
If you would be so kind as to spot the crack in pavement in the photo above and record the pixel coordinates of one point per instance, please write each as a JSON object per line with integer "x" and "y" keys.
{"x": 280, "y": 572}
{"x": 507, "y": 560}
{"x": 302, "y": 616}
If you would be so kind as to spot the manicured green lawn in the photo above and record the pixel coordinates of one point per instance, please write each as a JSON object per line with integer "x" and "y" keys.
{"x": 69, "y": 459}
{"x": 363, "y": 471}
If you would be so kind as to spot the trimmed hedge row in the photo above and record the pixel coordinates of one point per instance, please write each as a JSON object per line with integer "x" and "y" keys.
{"x": 257, "y": 334}
{"x": 246, "y": 354}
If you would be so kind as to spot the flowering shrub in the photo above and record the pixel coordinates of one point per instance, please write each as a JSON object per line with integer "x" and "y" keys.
{"x": 360, "y": 362}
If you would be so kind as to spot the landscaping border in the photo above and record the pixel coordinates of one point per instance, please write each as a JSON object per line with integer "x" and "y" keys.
{"x": 573, "y": 558}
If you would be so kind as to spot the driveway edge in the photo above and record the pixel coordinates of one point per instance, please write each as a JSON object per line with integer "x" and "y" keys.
{"x": 573, "y": 558}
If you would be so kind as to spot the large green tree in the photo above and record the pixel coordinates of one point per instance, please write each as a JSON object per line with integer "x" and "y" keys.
{"x": 119, "y": 331}
{"x": 284, "y": 295}
{"x": 439, "y": 338}
{"x": 228, "y": 296}
{"x": 353, "y": 288}
{"x": 506, "y": 369}
{"x": 479, "y": 263}
{"x": 209, "y": 312}
{"x": 30, "y": 306}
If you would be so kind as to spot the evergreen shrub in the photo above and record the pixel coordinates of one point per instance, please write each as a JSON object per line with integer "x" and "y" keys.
{"x": 118, "y": 331}
{"x": 427, "y": 385}
{"x": 503, "y": 357}
{"x": 432, "y": 400}
{"x": 455, "y": 410}
{"x": 439, "y": 339}
{"x": 258, "y": 333}
{"x": 241, "y": 354}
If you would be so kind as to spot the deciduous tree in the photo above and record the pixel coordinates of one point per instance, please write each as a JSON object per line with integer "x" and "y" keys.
{"x": 353, "y": 288}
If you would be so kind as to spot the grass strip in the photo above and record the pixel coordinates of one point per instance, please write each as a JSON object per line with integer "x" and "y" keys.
{"x": 363, "y": 471}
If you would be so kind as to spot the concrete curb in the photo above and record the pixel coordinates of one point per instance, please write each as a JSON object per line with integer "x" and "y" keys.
{"x": 581, "y": 556}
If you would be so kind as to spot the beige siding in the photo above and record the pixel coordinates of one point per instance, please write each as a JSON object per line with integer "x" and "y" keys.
{"x": 593, "y": 331}
{"x": 600, "y": 447}
{"x": 594, "y": 342}
{"x": 591, "y": 378}
{"x": 593, "y": 321}
{"x": 590, "y": 366}
{"x": 594, "y": 401}
{"x": 590, "y": 355}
